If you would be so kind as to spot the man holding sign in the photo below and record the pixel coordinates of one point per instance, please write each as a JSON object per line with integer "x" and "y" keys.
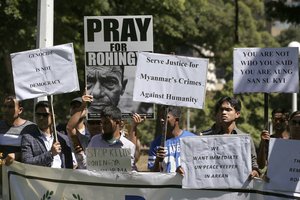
{"x": 168, "y": 156}
{"x": 39, "y": 147}
{"x": 283, "y": 159}
{"x": 227, "y": 111}
{"x": 111, "y": 118}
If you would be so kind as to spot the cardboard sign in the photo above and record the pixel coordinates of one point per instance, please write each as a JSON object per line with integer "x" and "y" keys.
{"x": 108, "y": 159}
{"x": 114, "y": 41}
{"x": 265, "y": 70}
{"x": 218, "y": 161}
{"x": 171, "y": 80}
{"x": 283, "y": 165}
{"x": 46, "y": 71}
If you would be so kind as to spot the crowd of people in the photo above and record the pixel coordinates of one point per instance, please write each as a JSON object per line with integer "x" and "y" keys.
{"x": 41, "y": 144}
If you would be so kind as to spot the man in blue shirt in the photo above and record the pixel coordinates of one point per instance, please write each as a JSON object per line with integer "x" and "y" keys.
{"x": 167, "y": 158}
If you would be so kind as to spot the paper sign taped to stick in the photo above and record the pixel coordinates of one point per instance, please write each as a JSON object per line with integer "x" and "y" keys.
{"x": 46, "y": 71}
{"x": 218, "y": 161}
{"x": 170, "y": 80}
{"x": 266, "y": 70}
{"x": 108, "y": 159}
{"x": 284, "y": 176}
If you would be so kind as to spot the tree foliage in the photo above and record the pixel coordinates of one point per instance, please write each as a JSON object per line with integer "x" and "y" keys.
{"x": 282, "y": 11}
{"x": 182, "y": 26}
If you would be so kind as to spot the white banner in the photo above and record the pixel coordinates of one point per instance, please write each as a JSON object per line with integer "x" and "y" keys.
{"x": 284, "y": 165}
{"x": 108, "y": 159}
{"x": 171, "y": 80}
{"x": 22, "y": 181}
{"x": 265, "y": 70}
{"x": 114, "y": 42}
{"x": 218, "y": 161}
{"x": 45, "y": 71}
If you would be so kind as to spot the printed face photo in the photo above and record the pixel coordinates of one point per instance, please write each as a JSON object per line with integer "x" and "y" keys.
{"x": 106, "y": 85}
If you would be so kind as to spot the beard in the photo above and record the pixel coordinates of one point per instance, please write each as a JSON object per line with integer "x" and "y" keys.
{"x": 170, "y": 128}
{"x": 107, "y": 136}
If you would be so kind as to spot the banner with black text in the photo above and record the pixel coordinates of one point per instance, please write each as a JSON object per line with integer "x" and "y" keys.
{"x": 265, "y": 70}
{"x": 23, "y": 181}
{"x": 46, "y": 71}
{"x": 171, "y": 80}
{"x": 285, "y": 175}
{"x": 222, "y": 161}
{"x": 111, "y": 45}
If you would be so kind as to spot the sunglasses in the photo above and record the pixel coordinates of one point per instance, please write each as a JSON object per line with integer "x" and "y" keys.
{"x": 295, "y": 122}
{"x": 42, "y": 114}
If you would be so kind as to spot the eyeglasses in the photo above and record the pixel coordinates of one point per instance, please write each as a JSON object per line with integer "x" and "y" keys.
{"x": 295, "y": 122}
{"x": 44, "y": 115}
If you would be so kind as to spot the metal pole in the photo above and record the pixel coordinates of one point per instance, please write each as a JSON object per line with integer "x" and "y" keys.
{"x": 294, "y": 98}
{"x": 45, "y": 23}
{"x": 45, "y": 15}
{"x": 294, "y": 102}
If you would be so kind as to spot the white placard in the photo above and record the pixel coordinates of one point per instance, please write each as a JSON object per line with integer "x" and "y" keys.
{"x": 108, "y": 159}
{"x": 45, "y": 71}
{"x": 266, "y": 70}
{"x": 170, "y": 80}
{"x": 284, "y": 165}
{"x": 216, "y": 161}
{"x": 115, "y": 41}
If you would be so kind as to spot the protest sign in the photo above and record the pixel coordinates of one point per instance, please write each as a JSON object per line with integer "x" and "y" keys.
{"x": 218, "y": 161}
{"x": 25, "y": 181}
{"x": 45, "y": 71}
{"x": 114, "y": 41}
{"x": 265, "y": 70}
{"x": 283, "y": 165}
{"x": 108, "y": 159}
{"x": 171, "y": 80}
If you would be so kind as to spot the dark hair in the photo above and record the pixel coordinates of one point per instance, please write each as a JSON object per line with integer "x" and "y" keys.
{"x": 113, "y": 112}
{"x": 175, "y": 111}
{"x": 280, "y": 110}
{"x": 294, "y": 114}
{"x": 234, "y": 102}
{"x": 13, "y": 97}
{"x": 43, "y": 104}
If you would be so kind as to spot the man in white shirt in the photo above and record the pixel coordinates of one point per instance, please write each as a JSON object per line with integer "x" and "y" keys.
{"x": 111, "y": 137}
{"x": 40, "y": 148}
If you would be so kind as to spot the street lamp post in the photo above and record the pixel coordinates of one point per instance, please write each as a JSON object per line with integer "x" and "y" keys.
{"x": 294, "y": 99}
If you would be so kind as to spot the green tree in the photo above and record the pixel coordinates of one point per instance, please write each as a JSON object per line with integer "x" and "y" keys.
{"x": 282, "y": 11}
{"x": 289, "y": 35}
{"x": 186, "y": 27}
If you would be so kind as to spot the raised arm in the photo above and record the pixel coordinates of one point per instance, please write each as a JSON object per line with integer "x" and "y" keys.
{"x": 132, "y": 136}
{"x": 75, "y": 120}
